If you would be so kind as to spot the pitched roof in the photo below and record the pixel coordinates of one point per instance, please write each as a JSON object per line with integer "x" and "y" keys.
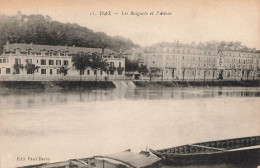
{"x": 135, "y": 159}
{"x": 39, "y": 48}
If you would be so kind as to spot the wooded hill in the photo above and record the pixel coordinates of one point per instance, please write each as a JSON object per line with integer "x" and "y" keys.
{"x": 39, "y": 29}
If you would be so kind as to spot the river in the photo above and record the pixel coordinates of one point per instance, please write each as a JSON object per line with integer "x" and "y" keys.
{"x": 60, "y": 125}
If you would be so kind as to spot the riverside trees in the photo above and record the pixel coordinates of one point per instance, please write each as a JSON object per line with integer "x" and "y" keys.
{"x": 63, "y": 70}
{"x": 132, "y": 66}
{"x": 81, "y": 62}
{"x": 94, "y": 61}
{"x": 97, "y": 63}
{"x": 31, "y": 68}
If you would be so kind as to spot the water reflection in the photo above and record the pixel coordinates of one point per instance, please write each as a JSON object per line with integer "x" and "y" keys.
{"x": 76, "y": 124}
{"x": 32, "y": 98}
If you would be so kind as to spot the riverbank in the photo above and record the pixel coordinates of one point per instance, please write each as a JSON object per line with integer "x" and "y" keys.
{"x": 66, "y": 85}
{"x": 255, "y": 83}
{"x": 89, "y": 85}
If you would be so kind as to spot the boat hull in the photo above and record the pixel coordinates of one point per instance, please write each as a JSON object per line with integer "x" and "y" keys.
{"x": 249, "y": 156}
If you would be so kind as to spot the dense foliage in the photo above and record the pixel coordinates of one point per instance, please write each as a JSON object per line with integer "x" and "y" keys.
{"x": 31, "y": 67}
{"x": 132, "y": 66}
{"x": 39, "y": 29}
{"x": 143, "y": 69}
{"x": 97, "y": 63}
{"x": 63, "y": 70}
{"x": 83, "y": 61}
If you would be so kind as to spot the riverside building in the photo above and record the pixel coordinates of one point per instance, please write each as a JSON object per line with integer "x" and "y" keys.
{"x": 50, "y": 59}
{"x": 193, "y": 63}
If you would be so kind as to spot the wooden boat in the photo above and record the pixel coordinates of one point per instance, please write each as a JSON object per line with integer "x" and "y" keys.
{"x": 239, "y": 150}
{"x": 126, "y": 159}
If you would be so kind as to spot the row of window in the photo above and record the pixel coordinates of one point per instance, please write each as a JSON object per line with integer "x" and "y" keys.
{"x": 43, "y": 62}
{"x": 112, "y": 64}
{"x": 181, "y": 51}
{"x": 202, "y": 72}
{"x": 239, "y": 61}
{"x": 7, "y": 71}
{"x": 101, "y": 72}
{"x": 189, "y": 57}
{"x": 4, "y": 60}
{"x": 225, "y": 60}
{"x": 29, "y": 52}
{"x": 240, "y": 66}
{"x": 43, "y": 71}
{"x": 58, "y": 62}
{"x": 50, "y": 62}
{"x": 197, "y": 51}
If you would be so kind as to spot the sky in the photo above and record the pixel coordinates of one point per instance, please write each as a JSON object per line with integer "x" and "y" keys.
{"x": 186, "y": 20}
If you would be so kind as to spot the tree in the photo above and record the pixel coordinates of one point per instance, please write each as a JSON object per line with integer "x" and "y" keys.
{"x": 172, "y": 74}
{"x": 205, "y": 73}
{"x": 183, "y": 73}
{"x": 81, "y": 62}
{"x": 153, "y": 71}
{"x": 247, "y": 74}
{"x": 63, "y": 70}
{"x": 194, "y": 74}
{"x": 31, "y": 68}
{"x": 220, "y": 75}
{"x": 97, "y": 63}
{"x": 213, "y": 74}
{"x": 242, "y": 74}
{"x": 130, "y": 66}
{"x": 17, "y": 68}
{"x": 142, "y": 69}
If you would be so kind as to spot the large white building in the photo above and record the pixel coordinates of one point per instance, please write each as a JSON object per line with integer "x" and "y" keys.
{"x": 50, "y": 59}
{"x": 191, "y": 63}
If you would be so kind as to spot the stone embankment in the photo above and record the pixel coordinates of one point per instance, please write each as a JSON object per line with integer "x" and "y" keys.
{"x": 67, "y": 85}
{"x": 89, "y": 85}
{"x": 254, "y": 83}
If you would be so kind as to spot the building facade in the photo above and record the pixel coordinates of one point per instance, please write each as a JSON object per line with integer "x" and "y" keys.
{"x": 191, "y": 63}
{"x": 49, "y": 60}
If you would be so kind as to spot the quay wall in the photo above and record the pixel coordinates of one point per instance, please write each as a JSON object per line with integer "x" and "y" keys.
{"x": 67, "y": 85}
{"x": 75, "y": 85}
{"x": 251, "y": 83}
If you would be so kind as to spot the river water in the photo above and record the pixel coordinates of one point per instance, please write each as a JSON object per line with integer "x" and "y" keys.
{"x": 61, "y": 125}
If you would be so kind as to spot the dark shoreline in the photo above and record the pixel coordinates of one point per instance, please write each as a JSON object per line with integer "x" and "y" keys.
{"x": 57, "y": 85}
{"x": 90, "y": 85}
{"x": 254, "y": 83}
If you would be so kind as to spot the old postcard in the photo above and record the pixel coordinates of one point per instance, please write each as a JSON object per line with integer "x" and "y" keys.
{"x": 133, "y": 83}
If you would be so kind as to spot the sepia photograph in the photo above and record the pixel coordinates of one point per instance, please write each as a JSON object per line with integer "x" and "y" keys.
{"x": 129, "y": 83}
